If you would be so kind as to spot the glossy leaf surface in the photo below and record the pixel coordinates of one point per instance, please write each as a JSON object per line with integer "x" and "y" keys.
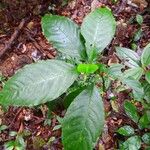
{"x": 147, "y": 76}
{"x": 136, "y": 87}
{"x": 135, "y": 73}
{"x": 126, "y": 130}
{"x": 132, "y": 143}
{"x": 146, "y": 87}
{"x": 139, "y": 19}
{"x": 38, "y": 83}
{"x": 144, "y": 121}
{"x": 129, "y": 57}
{"x": 98, "y": 29}
{"x": 145, "y": 58}
{"x": 114, "y": 71}
{"x": 131, "y": 111}
{"x": 63, "y": 33}
{"x": 83, "y": 121}
{"x": 146, "y": 138}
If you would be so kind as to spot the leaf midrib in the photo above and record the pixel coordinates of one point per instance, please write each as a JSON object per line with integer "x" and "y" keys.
{"x": 33, "y": 84}
{"x": 96, "y": 31}
{"x": 70, "y": 40}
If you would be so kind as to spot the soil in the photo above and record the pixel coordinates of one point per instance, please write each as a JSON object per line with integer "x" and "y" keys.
{"x": 23, "y": 45}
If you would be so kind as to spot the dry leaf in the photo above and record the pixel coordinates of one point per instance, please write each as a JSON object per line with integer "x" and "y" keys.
{"x": 101, "y": 147}
{"x": 95, "y": 4}
{"x": 138, "y": 3}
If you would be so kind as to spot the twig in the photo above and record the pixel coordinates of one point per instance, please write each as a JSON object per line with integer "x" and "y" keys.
{"x": 17, "y": 114}
{"x": 13, "y": 38}
{"x": 35, "y": 43}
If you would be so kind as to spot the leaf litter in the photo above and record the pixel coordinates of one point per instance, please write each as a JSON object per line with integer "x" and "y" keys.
{"x": 37, "y": 123}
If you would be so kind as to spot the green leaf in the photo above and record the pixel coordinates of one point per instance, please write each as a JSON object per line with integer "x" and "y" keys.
{"x": 134, "y": 46}
{"x": 146, "y": 138}
{"x": 38, "y": 83}
{"x": 93, "y": 55}
{"x": 63, "y": 33}
{"x": 145, "y": 58}
{"x": 136, "y": 87}
{"x": 60, "y": 120}
{"x": 135, "y": 73}
{"x": 98, "y": 29}
{"x": 12, "y": 133}
{"x": 57, "y": 127}
{"x": 103, "y": 68}
{"x": 137, "y": 35}
{"x": 71, "y": 96}
{"x": 115, "y": 70}
{"x": 146, "y": 87}
{"x": 126, "y": 130}
{"x": 144, "y": 121}
{"x": 147, "y": 76}
{"x": 3, "y": 127}
{"x": 20, "y": 143}
{"x": 132, "y": 143}
{"x": 130, "y": 58}
{"x": 131, "y": 111}
{"x": 83, "y": 121}
{"x": 87, "y": 68}
{"x": 10, "y": 145}
{"x": 139, "y": 19}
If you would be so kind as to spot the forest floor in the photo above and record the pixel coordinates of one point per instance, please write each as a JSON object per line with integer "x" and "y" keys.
{"x": 22, "y": 42}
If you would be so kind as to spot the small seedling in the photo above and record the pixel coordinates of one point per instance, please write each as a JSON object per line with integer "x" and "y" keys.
{"x": 45, "y": 81}
{"x": 17, "y": 144}
{"x": 138, "y": 67}
{"x": 132, "y": 136}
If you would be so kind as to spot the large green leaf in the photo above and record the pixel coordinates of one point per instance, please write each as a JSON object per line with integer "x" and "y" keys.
{"x": 126, "y": 130}
{"x": 132, "y": 143}
{"x": 114, "y": 71}
{"x": 130, "y": 58}
{"x": 145, "y": 58}
{"x": 136, "y": 87}
{"x": 69, "y": 98}
{"x": 135, "y": 73}
{"x": 38, "y": 83}
{"x": 83, "y": 121}
{"x": 144, "y": 121}
{"x": 131, "y": 111}
{"x": 63, "y": 33}
{"x": 98, "y": 29}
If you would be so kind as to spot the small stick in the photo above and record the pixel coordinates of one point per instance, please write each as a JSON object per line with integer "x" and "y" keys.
{"x": 13, "y": 37}
{"x": 35, "y": 43}
{"x": 14, "y": 119}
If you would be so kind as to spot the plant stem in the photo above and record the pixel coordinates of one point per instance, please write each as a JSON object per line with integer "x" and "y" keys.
{"x": 103, "y": 83}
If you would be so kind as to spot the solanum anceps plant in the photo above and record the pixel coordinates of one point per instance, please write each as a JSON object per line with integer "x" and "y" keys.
{"x": 46, "y": 80}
